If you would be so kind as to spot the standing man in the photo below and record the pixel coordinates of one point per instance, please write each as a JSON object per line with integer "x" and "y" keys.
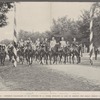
{"x": 96, "y": 52}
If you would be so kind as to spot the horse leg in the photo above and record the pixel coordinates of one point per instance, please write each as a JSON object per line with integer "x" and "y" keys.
{"x": 28, "y": 60}
{"x": 67, "y": 58}
{"x": 22, "y": 60}
{"x": 53, "y": 59}
{"x": 50, "y": 58}
{"x": 64, "y": 59}
{"x": 0, "y": 60}
{"x": 56, "y": 59}
{"x": 60, "y": 58}
{"x": 70, "y": 58}
{"x": 3, "y": 60}
{"x": 41, "y": 59}
{"x": 46, "y": 58}
{"x": 73, "y": 58}
{"x": 37, "y": 57}
{"x": 9, "y": 58}
{"x": 31, "y": 60}
{"x": 79, "y": 59}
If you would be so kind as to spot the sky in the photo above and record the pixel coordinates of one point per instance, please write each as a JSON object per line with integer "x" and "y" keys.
{"x": 37, "y": 16}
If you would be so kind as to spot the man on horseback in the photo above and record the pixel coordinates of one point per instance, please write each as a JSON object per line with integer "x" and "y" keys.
{"x": 21, "y": 43}
{"x": 76, "y": 50}
{"x": 37, "y": 43}
{"x": 46, "y": 50}
{"x": 52, "y": 43}
{"x": 68, "y": 44}
{"x": 42, "y": 43}
{"x": 20, "y": 50}
{"x": 74, "y": 44}
{"x": 46, "y": 44}
{"x": 42, "y": 50}
{"x": 62, "y": 49}
{"x": 11, "y": 53}
{"x": 29, "y": 42}
{"x": 53, "y": 50}
{"x": 62, "y": 43}
{"x": 29, "y": 51}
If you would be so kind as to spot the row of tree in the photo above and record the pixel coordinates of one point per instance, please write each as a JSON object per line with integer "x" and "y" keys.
{"x": 69, "y": 28}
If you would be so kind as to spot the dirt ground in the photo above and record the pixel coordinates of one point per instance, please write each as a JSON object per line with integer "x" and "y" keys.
{"x": 41, "y": 78}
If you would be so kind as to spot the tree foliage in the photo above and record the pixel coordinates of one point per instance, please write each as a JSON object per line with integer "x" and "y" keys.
{"x": 4, "y": 8}
{"x": 65, "y": 27}
{"x": 6, "y": 42}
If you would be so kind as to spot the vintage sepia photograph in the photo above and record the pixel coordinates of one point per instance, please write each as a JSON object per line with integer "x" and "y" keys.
{"x": 50, "y": 46}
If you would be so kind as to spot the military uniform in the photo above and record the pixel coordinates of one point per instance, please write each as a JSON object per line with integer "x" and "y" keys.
{"x": 37, "y": 43}
{"x": 68, "y": 45}
{"x": 63, "y": 44}
{"x": 74, "y": 45}
{"x": 52, "y": 44}
{"x": 42, "y": 45}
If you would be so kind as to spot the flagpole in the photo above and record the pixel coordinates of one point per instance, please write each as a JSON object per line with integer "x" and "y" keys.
{"x": 15, "y": 37}
{"x": 91, "y": 32}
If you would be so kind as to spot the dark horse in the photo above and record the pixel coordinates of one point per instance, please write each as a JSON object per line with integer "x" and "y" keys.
{"x": 2, "y": 55}
{"x": 46, "y": 52}
{"x": 29, "y": 54}
{"x": 42, "y": 53}
{"x": 76, "y": 51}
{"x": 21, "y": 54}
{"x": 66, "y": 53}
{"x": 53, "y": 53}
{"x": 36, "y": 53}
{"x": 10, "y": 53}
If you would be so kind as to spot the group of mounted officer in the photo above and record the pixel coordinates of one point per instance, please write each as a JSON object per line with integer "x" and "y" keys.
{"x": 43, "y": 41}
{"x": 42, "y": 49}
